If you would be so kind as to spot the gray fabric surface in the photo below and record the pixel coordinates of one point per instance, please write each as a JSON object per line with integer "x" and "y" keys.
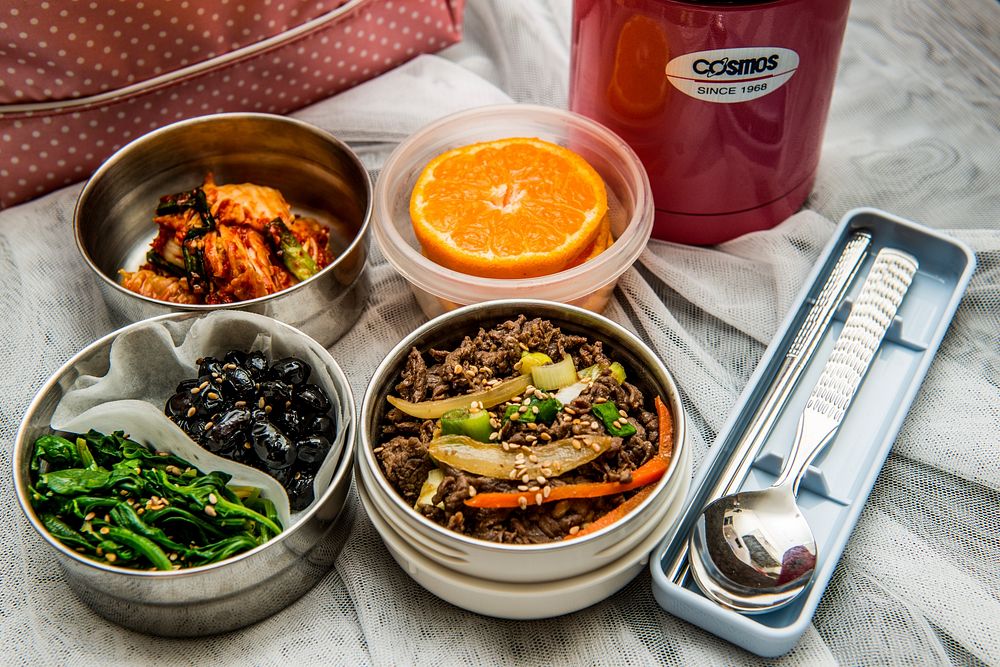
{"x": 913, "y": 130}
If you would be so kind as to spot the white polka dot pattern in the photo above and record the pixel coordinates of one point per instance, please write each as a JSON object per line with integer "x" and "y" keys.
{"x": 49, "y": 53}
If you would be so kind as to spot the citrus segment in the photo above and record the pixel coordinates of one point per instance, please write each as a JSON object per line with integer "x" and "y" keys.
{"x": 601, "y": 243}
{"x": 511, "y": 208}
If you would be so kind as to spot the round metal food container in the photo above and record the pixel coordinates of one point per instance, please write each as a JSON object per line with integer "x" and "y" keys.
{"x": 317, "y": 173}
{"x": 211, "y": 598}
{"x": 510, "y": 562}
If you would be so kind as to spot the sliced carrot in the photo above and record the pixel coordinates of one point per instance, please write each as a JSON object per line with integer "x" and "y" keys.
{"x": 665, "y": 451}
{"x": 666, "y": 436}
{"x": 615, "y": 514}
{"x": 648, "y": 473}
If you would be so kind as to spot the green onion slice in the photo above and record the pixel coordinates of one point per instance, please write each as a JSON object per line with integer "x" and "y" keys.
{"x": 554, "y": 376}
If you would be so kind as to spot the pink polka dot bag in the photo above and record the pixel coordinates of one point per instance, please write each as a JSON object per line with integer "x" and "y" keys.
{"x": 81, "y": 78}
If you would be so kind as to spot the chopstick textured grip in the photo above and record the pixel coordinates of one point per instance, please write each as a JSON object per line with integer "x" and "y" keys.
{"x": 833, "y": 289}
{"x": 871, "y": 315}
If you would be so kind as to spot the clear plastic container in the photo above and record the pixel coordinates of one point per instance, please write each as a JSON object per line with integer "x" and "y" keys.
{"x": 439, "y": 289}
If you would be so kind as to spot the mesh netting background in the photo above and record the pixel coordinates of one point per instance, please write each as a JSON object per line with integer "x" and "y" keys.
{"x": 913, "y": 130}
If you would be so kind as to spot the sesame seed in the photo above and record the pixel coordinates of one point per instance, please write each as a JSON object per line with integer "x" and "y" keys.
{"x": 533, "y": 458}
{"x": 530, "y": 438}
{"x": 522, "y": 487}
{"x": 623, "y": 413}
{"x": 541, "y": 479}
{"x": 576, "y": 443}
{"x": 526, "y": 478}
{"x": 545, "y": 436}
{"x": 538, "y": 498}
{"x": 523, "y": 502}
{"x": 601, "y": 399}
{"x": 209, "y": 425}
{"x": 246, "y": 445}
{"x": 596, "y": 447}
{"x": 267, "y": 409}
{"x": 191, "y": 411}
{"x": 616, "y": 423}
{"x": 203, "y": 385}
{"x": 534, "y": 487}
{"x": 472, "y": 492}
{"x": 516, "y": 416}
{"x": 547, "y": 472}
{"x": 212, "y": 499}
{"x": 568, "y": 410}
{"x": 458, "y": 369}
{"x": 210, "y": 510}
{"x": 594, "y": 426}
{"x": 111, "y": 558}
{"x": 526, "y": 401}
{"x": 172, "y": 556}
{"x": 240, "y": 404}
{"x": 229, "y": 367}
{"x": 523, "y": 346}
{"x": 574, "y": 530}
{"x": 547, "y": 491}
{"x": 90, "y": 516}
{"x": 195, "y": 390}
{"x": 534, "y": 409}
{"x": 105, "y": 530}
{"x": 512, "y": 474}
{"x": 506, "y": 446}
{"x": 519, "y": 457}
{"x": 539, "y": 393}
{"x": 260, "y": 402}
{"x": 378, "y": 450}
{"x": 473, "y": 370}
{"x": 496, "y": 436}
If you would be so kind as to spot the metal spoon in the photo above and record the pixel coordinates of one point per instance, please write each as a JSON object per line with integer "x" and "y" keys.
{"x": 754, "y": 551}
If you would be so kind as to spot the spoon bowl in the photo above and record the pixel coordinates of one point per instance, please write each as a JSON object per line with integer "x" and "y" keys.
{"x": 754, "y": 550}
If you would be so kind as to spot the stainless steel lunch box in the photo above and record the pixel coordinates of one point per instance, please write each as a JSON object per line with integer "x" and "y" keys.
{"x": 317, "y": 173}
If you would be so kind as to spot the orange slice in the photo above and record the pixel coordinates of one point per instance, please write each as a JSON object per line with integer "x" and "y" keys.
{"x": 512, "y": 208}
{"x": 601, "y": 243}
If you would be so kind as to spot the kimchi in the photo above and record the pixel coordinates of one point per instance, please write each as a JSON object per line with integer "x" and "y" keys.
{"x": 226, "y": 243}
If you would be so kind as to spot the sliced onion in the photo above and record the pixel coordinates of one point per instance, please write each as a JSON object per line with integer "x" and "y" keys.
{"x": 554, "y": 376}
{"x": 567, "y": 395}
{"x": 430, "y": 487}
{"x": 494, "y": 396}
{"x": 491, "y": 460}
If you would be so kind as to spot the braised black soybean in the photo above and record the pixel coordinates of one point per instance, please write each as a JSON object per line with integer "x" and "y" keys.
{"x": 265, "y": 416}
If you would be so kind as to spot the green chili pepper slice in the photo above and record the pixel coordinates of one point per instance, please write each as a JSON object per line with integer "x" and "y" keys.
{"x": 608, "y": 413}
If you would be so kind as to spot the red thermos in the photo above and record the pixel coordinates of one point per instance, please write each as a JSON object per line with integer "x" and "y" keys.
{"x": 724, "y": 102}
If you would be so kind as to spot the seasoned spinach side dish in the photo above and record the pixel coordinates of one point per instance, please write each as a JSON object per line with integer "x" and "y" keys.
{"x": 522, "y": 435}
{"x": 115, "y": 500}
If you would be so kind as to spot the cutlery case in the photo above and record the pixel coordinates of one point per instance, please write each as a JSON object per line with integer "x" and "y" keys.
{"x": 835, "y": 487}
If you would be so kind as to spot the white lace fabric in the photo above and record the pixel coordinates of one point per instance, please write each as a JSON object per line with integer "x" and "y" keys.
{"x": 913, "y": 130}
